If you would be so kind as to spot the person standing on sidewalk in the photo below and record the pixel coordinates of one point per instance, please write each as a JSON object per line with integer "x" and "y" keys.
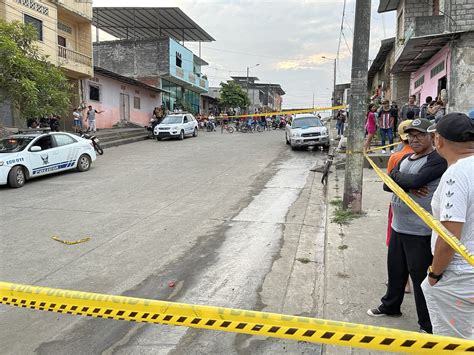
{"x": 385, "y": 123}
{"x": 410, "y": 106}
{"x": 449, "y": 287}
{"x": 91, "y": 118}
{"x": 370, "y": 126}
{"x": 409, "y": 250}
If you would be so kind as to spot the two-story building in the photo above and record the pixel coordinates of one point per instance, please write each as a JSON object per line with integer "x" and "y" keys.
{"x": 262, "y": 96}
{"x": 433, "y": 50}
{"x": 148, "y": 49}
{"x": 64, "y": 35}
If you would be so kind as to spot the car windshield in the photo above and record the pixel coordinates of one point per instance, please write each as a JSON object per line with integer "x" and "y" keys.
{"x": 14, "y": 144}
{"x": 172, "y": 119}
{"x": 306, "y": 122}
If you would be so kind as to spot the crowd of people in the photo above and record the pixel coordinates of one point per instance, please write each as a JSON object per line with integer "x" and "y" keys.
{"x": 385, "y": 117}
{"x": 434, "y": 163}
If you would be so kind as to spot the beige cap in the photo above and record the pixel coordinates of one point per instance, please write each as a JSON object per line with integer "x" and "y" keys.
{"x": 401, "y": 129}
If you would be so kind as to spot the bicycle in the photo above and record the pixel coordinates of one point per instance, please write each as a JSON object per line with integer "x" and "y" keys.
{"x": 227, "y": 127}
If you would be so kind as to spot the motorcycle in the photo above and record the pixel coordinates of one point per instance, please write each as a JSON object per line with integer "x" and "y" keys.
{"x": 151, "y": 127}
{"x": 94, "y": 139}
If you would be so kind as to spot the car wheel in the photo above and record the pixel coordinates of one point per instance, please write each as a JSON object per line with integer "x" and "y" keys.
{"x": 195, "y": 133}
{"x": 326, "y": 147}
{"x": 286, "y": 138}
{"x": 181, "y": 135}
{"x": 293, "y": 147}
{"x": 17, "y": 177}
{"x": 83, "y": 163}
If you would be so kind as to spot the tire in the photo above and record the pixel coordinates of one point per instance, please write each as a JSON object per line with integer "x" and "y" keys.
{"x": 16, "y": 177}
{"x": 286, "y": 138}
{"x": 98, "y": 148}
{"x": 244, "y": 129}
{"x": 181, "y": 135}
{"x": 326, "y": 147}
{"x": 259, "y": 129}
{"x": 158, "y": 139}
{"x": 195, "y": 133}
{"x": 83, "y": 163}
{"x": 230, "y": 129}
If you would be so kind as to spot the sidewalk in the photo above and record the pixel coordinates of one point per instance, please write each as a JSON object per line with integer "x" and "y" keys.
{"x": 355, "y": 265}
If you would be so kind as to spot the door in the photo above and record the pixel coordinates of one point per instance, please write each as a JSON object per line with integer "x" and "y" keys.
{"x": 67, "y": 150}
{"x": 124, "y": 108}
{"x": 47, "y": 160}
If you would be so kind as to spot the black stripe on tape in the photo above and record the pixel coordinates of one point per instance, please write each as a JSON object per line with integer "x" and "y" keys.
{"x": 145, "y": 315}
{"x": 327, "y": 335}
{"x": 274, "y": 329}
{"x": 309, "y": 333}
{"x": 408, "y": 343}
{"x": 451, "y": 346}
{"x": 387, "y": 341}
{"x": 168, "y": 318}
{"x": 181, "y": 319}
{"x": 347, "y": 337}
{"x": 291, "y": 331}
{"x": 367, "y": 339}
{"x": 133, "y": 314}
{"x": 257, "y": 327}
{"x": 155, "y": 316}
{"x": 210, "y": 322}
{"x": 429, "y": 345}
{"x": 196, "y": 321}
{"x": 471, "y": 349}
{"x": 241, "y": 325}
{"x": 225, "y": 324}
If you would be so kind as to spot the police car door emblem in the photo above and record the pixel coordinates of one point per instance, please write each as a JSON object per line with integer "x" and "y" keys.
{"x": 45, "y": 158}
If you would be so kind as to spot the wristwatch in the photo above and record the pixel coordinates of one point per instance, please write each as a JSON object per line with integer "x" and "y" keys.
{"x": 433, "y": 275}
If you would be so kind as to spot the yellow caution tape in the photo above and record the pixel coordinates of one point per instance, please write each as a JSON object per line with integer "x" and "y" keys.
{"x": 383, "y": 147}
{"x": 227, "y": 319}
{"x": 433, "y": 223}
{"x": 292, "y": 112}
{"x": 71, "y": 242}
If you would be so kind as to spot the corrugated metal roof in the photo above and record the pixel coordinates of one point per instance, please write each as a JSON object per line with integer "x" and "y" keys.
{"x": 388, "y": 5}
{"x": 148, "y": 22}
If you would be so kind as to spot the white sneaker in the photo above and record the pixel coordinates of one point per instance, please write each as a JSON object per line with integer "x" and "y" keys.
{"x": 383, "y": 151}
{"x": 392, "y": 151}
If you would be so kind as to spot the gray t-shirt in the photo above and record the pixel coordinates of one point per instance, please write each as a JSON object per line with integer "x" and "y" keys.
{"x": 91, "y": 114}
{"x": 404, "y": 219}
{"x": 453, "y": 201}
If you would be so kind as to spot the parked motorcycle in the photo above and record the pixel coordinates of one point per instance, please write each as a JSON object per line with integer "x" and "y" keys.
{"x": 94, "y": 139}
{"x": 151, "y": 127}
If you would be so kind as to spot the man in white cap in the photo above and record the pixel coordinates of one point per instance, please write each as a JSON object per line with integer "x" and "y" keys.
{"x": 449, "y": 287}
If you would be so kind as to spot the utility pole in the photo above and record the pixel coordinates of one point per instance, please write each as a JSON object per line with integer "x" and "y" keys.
{"x": 358, "y": 101}
{"x": 313, "y": 100}
{"x": 334, "y": 87}
{"x": 248, "y": 88}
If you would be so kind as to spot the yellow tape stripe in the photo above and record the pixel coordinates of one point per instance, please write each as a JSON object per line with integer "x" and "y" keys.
{"x": 71, "y": 242}
{"x": 226, "y": 319}
{"x": 383, "y": 147}
{"x": 434, "y": 224}
{"x": 293, "y": 112}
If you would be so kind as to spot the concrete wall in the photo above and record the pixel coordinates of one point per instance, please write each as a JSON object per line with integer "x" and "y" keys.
{"x": 430, "y": 85}
{"x": 110, "y": 90}
{"x": 400, "y": 84}
{"x": 461, "y": 93}
{"x": 147, "y": 59}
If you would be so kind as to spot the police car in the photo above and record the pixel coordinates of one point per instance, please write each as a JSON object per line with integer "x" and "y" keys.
{"x": 33, "y": 153}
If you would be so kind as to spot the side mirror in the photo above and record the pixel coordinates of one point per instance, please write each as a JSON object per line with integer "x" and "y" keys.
{"x": 35, "y": 148}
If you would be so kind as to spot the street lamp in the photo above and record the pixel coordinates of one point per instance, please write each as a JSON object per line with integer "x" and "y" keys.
{"x": 334, "y": 87}
{"x": 256, "y": 65}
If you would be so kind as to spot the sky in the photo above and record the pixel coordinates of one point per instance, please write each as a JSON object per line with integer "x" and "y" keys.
{"x": 286, "y": 38}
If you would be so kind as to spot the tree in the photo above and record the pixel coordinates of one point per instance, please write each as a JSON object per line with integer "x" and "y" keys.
{"x": 232, "y": 96}
{"x": 35, "y": 87}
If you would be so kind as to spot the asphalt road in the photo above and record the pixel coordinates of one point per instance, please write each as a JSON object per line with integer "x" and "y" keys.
{"x": 224, "y": 216}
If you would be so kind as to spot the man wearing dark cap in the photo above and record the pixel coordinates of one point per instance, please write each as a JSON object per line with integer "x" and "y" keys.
{"x": 409, "y": 249}
{"x": 449, "y": 287}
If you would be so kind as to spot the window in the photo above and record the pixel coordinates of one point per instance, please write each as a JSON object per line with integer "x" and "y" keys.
{"x": 62, "y": 139}
{"x": 62, "y": 41}
{"x": 437, "y": 69}
{"x": 420, "y": 81}
{"x": 44, "y": 142}
{"x": 94, "y": 93}
{"x": 179, "y": 61}
{"x": 65, "y": 28}
{"x": 136, "y": 102}
{"x": 37, "y": 24}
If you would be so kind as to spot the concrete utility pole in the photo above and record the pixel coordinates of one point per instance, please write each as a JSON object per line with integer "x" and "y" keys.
{"x": 358, "y": 107}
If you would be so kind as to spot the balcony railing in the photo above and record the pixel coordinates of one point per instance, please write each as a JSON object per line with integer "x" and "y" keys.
{"x": 73, "y": 56}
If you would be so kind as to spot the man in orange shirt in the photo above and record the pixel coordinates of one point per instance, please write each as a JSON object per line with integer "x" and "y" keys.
{"x": 406, "y": 149}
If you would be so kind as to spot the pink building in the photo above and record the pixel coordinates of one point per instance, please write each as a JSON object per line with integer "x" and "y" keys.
{"x": 432, "y": 77}
{"x": 124, "y": 100}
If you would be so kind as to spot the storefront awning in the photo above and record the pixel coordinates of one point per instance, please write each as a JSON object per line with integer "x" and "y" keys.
{"x": 418, "y": 50}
